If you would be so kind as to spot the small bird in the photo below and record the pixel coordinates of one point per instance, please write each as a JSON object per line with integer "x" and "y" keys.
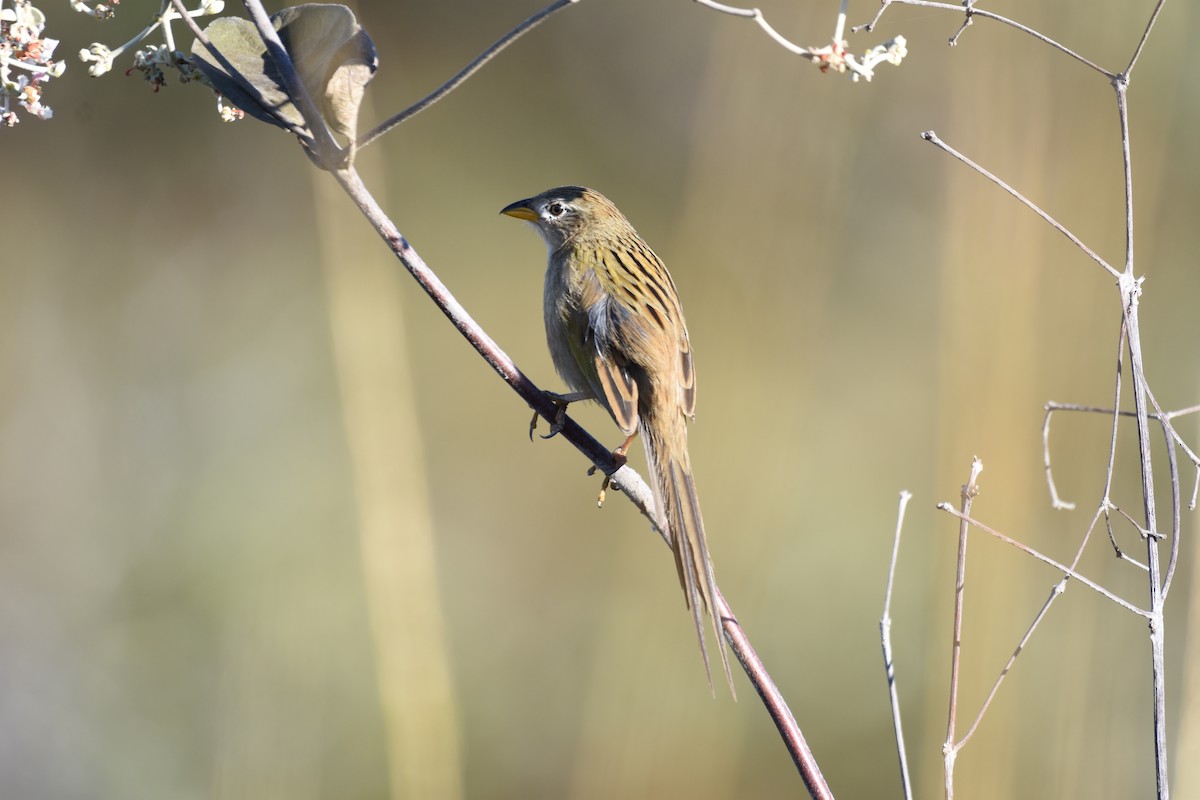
{"x": 617, "y": 335}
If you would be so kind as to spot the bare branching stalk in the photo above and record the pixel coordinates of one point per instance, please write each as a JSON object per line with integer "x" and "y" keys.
{"x": 1129, "y": 287}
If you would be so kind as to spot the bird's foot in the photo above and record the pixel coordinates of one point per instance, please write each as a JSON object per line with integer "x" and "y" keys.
{"x": 561, "y": 401}
{"x": 619, "y": 456}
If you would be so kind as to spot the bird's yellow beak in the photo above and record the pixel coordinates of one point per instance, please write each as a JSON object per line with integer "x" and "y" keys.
{"x": 520, "y": 210}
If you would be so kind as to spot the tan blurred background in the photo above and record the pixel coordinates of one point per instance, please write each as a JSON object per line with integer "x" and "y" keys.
{"x": 270, "y": 529}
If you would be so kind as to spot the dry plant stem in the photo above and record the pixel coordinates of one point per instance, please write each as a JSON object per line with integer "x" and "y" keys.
{"x": 1058, "y": 589}
{"x": 885, "y": 635}
{"x": 624, "y": 478}
{"x": 467, "y": 71}
{"x": 933, "y": 139}
{"x": 1145, "y": 35}
{"x": 949, "y": 748}
{"x": 974, "y": 11}
{"x": 1157, "y": 620}
{"x": 1131, "y": 288}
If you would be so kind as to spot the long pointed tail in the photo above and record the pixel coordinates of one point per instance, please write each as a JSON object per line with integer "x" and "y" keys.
{"x": 675, "y": 493}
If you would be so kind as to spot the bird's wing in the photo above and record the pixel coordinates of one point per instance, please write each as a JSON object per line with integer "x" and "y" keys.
{"x": 617, "y": 381}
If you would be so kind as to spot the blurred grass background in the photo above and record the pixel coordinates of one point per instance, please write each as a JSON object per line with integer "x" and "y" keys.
{"x": 271, "y": 530}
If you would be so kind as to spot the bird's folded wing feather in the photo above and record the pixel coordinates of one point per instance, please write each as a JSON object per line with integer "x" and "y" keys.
{"x": 617, "y": 382}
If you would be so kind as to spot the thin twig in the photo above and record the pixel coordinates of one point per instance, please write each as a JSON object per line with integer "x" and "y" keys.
{"x": 1112, "y": 441}
{"x": 1121, "y": 84}
{"x": 1055, "y": 593}
{"x": 1134, "y": 523}
{"x": 968, "y": 20}
{"x": 1056, "y": 502}
{"x": 1063, "y": 568}
{"x": 889, "y": 665}
{"x": 1173, "y": 466}
{"x": 1145, "y": 35}
{"x": 975, "y": 11}
{"x": 1110, "y": 466}
{"x": 933, "y": 139}
{"x": 1173, "y": 438}
{"x": 466, "y": 72}
{"x": 1112, "y": 537}
{"x": 950, "y": 750}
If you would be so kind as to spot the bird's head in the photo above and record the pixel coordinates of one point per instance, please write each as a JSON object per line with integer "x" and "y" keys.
{"x": 568, "y": 213}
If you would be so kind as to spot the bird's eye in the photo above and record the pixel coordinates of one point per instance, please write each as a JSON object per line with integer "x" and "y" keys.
{"x": 555, "y": 209}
